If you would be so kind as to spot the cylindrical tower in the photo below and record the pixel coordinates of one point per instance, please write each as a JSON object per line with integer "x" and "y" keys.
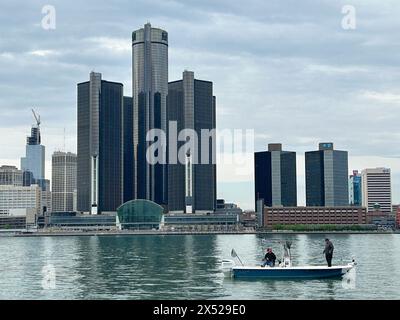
{"x": 149, "y": 92}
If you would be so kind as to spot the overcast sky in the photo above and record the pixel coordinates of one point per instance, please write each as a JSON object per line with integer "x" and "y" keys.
{"x": 286, "y": 69}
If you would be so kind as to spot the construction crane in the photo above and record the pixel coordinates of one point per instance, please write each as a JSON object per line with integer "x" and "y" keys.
{"x": 37, "y": 117}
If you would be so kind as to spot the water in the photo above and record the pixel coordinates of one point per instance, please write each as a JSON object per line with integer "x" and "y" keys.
{"x": 188, "y": 267}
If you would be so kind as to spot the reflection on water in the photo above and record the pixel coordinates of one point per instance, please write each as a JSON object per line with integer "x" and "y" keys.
{"x": 188, "y": 267}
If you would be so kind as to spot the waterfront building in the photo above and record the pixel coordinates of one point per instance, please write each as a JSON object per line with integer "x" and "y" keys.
{"x": 63, "y": 181}
{"x": 11, "y": 175}
{"x": 200, "y": 222}
{"x": 227, "y": 208}
{"x": 376, "y": 189}
{"x": 316, "y": 215}
{"x": 149, "y": 91}
{"x": 192, "y": 184}
{"x": 139, "y": 214}
{"x": 275, "y": 176}
{"x": 355, "y": 189}
{"x": 20, "y": 200}
{"x": 326, "y": 177}
{"x": 74, "y": 221}
{"x": 100, "y": 145}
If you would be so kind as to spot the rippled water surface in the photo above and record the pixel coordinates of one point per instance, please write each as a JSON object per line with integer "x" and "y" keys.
{"x": 188, "y": 267}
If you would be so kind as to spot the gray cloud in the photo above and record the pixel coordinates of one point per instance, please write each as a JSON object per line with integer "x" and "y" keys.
{"x": 287, "y": 70}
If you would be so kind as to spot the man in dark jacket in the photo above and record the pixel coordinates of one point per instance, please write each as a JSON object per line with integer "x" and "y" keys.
{"x": 269, "y": 258}
{"x": 328, "y": 251}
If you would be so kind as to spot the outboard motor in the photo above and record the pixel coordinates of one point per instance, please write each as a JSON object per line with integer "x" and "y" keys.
{"x": 287, "y": 259}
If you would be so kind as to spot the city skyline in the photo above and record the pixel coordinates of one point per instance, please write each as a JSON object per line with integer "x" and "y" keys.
{"x": 360, "y": 101}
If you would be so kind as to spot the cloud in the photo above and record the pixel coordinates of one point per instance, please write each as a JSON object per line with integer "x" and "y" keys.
{"x": 289, "y": 72}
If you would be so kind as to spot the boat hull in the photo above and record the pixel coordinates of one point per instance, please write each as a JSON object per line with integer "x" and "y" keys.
{"x": 290, "y": 272}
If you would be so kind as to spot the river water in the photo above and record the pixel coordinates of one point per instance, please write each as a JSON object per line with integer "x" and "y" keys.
{"x": 188, "y": 267}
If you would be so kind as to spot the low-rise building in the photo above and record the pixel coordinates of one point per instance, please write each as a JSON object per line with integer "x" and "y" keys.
{"x": 349, "y": 215}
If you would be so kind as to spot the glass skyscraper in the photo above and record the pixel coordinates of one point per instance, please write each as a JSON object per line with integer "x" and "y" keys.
{"x": 275, "y": 176}
{"x": 355, "y": 189}
{"x": 128, "y": 149}
{"x": 326, "y": 177}
{"x": 34, "y": 161}
{"x": 192, "y": 184}
{"x": 100, "y": 145}
{"x": 149, "y": 93}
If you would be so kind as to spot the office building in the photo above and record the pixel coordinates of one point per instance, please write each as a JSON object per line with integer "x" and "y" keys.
{"x": 10, "y": 175}
{"x": 355, "y": 189}
{"x": 150, "y": 89}
{"x": 129, "y": 178}
{"x": 376, "y": 189}
{"x": 34, "y": 160}
{"x": 326, "y": 177}
{"x": 100, "y": 145}
{"x": 191, "y": 181}
{"x": 63, "y": 181}
{"x": 315, "y": 215}
{"x": 19, "y": 200}
{"x": 275, "y": 176}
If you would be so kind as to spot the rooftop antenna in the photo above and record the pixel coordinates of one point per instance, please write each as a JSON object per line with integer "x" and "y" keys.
{"x": 64, "y": 140}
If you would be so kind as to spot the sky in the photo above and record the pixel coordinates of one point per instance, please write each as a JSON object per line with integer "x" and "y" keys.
{"x": 286, "y": 69}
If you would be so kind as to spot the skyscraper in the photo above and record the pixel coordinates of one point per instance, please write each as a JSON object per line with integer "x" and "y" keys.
{"x": 275, "y": 176}
{"x": 63, "y": 181}
{"x": 33, "y": 165}
{"x": 192, "y": 184}
{"x": 376, "y": 189}
{"x": 326, "y": 177}
{"x": 34, "y": 160}
{"x": 355, "y": 189}
{"x": 100, "y": 145}
{"x": 150, "y": 89}
{"x": 128, "y": 149}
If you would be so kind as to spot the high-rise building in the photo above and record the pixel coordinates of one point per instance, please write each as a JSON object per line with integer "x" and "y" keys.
{"x": 33, "y": 165}
{"x": 19, "y": 200}
{"x": 34, "y": 161}
{"x": 63, "y": 181}
{"x": 275, "y": 176}
{"x": 355, "y": 189}
{"x": 376, "y": 189}
{"x": 100, "y": 145}
{"x": 192, "y": 181}
{"x": 128, "y": 149}
{"x": 327, "y": 177}
{"x": 10, "y": 175}
{"x": 150, "y": 89}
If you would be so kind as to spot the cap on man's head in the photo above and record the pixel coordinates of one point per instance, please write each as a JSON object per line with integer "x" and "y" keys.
{"x": 326, "y": 239}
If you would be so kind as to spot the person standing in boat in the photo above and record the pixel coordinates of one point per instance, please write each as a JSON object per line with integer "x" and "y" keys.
{"x": 328, "y": 251}
{"x": 269, "y": 258}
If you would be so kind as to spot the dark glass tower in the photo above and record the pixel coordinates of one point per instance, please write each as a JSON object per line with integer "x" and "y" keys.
{"x": 100, "y": 145}
{"x": 128, "y": 149}
{"x": 149, "y": 93}
{"x": 275, "y": 177}
{"x": 326, "y": 177}
{"x": 192, "y": 185}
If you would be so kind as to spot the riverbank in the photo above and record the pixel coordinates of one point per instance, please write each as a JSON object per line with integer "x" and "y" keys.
{"x": 64, "y": 233}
